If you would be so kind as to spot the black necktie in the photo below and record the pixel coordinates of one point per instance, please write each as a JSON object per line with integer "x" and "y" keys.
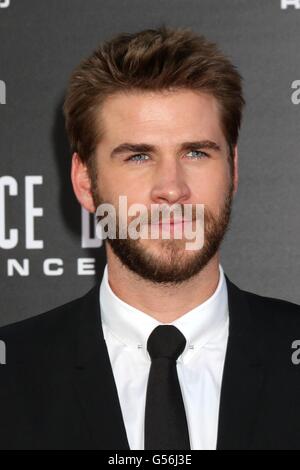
{"x": 165, "y": 420}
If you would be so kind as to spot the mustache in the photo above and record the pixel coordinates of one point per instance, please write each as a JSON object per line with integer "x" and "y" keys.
{"x": 166, "y": 215}
{"x": 156, "y": 214}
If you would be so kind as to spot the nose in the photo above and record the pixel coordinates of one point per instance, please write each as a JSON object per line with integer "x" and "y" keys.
{"x": 170, "y": 185}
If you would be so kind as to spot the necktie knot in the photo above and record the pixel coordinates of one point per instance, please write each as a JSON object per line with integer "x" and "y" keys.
{"x": 166, "y": 341}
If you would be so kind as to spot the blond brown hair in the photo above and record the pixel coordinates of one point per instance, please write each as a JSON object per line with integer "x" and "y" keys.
{"x": 151, "y": 60}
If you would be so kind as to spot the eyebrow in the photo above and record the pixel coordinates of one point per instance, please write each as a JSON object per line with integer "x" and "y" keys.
{"x": 143, "y": 147}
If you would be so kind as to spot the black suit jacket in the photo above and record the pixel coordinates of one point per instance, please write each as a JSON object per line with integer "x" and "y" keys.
{"x": 57, "y": 389}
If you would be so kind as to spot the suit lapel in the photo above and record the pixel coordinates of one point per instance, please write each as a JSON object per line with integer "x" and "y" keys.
{"x": 241, "y": 384}
{"x": 93, "y": 379}
{"x": 242, "y": 376}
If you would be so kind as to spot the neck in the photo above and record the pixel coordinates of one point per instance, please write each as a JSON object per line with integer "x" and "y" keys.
{"x": 164, "y": 303}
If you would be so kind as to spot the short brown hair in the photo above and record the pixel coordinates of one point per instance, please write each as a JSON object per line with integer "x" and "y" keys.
{"x": 151, "y": 60}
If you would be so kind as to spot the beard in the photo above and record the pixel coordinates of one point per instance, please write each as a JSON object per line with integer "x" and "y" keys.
{"x": 166, "y": 261}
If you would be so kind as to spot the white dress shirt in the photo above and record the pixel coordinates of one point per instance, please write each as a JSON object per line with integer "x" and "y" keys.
{"x": 200, "y": 366}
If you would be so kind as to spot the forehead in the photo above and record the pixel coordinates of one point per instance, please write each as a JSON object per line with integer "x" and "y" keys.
{"x": 160, "y": 116}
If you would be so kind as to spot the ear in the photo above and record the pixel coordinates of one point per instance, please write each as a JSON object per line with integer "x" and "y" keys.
{"x": 236, "y": 170}
{"x": 81, "y": 182}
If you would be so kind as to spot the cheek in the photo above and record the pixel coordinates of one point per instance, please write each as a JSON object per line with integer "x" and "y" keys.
{"x": 136, "y": 189}
{"x": 111, "y": 187}
{"x": 211, "y": 188}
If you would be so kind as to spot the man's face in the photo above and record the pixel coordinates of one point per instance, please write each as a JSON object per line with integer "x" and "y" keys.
{"x": 165, "y": 173}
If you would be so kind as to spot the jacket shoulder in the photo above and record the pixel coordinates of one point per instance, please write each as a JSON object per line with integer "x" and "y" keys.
{"x": 272, "y": 306}
{"x": 43, "y": 320}
{"x": 36, "y": 336}
{"x": 276, "y": 319}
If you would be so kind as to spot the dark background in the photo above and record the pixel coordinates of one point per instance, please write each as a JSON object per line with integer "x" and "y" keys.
{"x": 41, "y": 41}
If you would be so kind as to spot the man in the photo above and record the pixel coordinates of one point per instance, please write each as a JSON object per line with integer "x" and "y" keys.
{"x": 164, "y": 352}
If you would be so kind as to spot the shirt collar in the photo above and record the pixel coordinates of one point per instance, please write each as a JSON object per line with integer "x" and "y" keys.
{"x": 132, "y": 327}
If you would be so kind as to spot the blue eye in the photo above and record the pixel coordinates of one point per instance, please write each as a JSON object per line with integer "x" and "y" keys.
{"x": 135, "y": 159}
{"x": 203, "y": 154}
